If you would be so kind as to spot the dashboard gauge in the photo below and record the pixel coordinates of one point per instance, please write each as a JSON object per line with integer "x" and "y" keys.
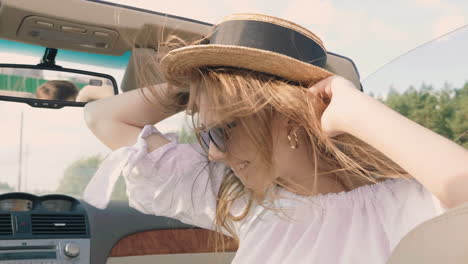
{"x": 57, "y": 205}
{"x": 16, "y": 205}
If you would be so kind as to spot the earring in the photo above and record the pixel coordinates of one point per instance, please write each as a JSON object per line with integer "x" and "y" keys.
{"x": 296, "y": 144}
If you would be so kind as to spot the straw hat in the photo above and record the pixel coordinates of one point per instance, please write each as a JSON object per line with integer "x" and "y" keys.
{"x": 256, "y": 42}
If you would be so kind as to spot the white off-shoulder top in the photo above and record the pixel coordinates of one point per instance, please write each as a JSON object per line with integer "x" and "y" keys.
{"x": 358, "y": 226}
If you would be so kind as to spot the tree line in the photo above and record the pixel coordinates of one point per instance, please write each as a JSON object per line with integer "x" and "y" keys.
{"x": 444, "y": 111}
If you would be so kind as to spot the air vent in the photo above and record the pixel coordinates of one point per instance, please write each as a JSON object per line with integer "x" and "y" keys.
{"x": 58, "y": 225}
{"x": 5, "y": 225}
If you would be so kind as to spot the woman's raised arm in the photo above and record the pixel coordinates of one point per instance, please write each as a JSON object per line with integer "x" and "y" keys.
{"x": 435, "y": 161}
{"x": 118, "y": 120}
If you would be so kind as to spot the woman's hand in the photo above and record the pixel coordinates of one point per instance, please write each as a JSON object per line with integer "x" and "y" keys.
{"x": 91, "y": 93}
{"x": 336, "y": 92}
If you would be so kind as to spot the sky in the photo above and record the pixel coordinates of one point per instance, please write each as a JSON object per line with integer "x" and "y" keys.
{"x": 371, "y": 33}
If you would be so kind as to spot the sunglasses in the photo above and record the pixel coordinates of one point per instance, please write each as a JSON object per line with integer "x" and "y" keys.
{"x": 218, "y": 135}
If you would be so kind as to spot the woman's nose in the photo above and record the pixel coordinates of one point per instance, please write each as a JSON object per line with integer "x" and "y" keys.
{"x": 214, "y": 154}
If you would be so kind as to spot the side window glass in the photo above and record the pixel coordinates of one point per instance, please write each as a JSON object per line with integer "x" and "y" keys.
{"x": 429, "y": 85}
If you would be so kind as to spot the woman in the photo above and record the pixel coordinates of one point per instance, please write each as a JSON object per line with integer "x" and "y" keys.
{"x": 292, "y": 161}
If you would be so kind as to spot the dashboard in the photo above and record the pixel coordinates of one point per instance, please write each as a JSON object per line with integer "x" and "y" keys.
{"x": 43, "y": 229}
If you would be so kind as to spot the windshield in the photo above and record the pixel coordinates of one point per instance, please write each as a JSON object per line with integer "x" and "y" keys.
{"x": 45, "y": 151}
{"x": 50, "y": 150}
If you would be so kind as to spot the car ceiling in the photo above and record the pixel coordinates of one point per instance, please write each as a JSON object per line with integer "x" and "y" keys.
{"x": 79, "y": 22}
{"x": 95, "y": 27}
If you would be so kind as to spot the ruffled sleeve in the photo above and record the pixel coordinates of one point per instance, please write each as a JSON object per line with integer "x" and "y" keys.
{"x": 175, "y": 180}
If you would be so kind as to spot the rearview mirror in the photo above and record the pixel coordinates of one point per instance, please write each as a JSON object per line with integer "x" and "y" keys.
{"x": 53, "y": 87}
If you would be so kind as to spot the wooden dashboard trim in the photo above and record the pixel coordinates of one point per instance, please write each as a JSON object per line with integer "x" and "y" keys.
{"x": 169, "y": 241}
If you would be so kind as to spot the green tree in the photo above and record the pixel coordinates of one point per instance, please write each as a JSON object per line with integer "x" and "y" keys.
{"x": 459, "y": 122}
{"x": 5, "y": 187}
{"x": 79, "y": 173}
{"x": 444, "y": 111}
{"x": 187, "y": 136}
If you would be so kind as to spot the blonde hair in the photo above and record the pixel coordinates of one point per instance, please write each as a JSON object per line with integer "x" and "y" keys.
{"x": 254, "y": 98}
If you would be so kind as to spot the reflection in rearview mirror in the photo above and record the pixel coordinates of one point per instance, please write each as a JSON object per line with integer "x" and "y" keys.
{"x": 54, "y": 85}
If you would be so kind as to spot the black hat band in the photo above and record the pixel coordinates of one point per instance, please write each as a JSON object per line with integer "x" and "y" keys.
{"x": 270, "y": 37}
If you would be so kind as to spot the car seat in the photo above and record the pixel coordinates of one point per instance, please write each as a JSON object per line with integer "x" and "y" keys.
{"x": 443, "y": 239}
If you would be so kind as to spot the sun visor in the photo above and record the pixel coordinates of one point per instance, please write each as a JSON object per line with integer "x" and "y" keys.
{"x": 344, "y": 67}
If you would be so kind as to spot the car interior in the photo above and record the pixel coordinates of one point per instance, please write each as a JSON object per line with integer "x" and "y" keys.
{"x": 40, "y": 225}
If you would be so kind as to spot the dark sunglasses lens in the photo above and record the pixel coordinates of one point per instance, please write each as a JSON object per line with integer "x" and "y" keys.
{"x": 205, "y": 137}
{"x": 217, "y": 136}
